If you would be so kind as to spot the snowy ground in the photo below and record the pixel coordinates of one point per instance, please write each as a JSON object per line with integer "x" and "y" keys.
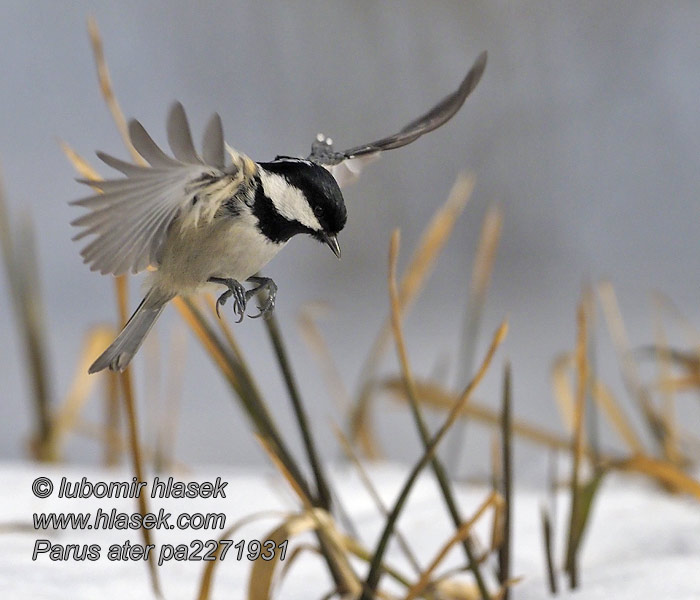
{"x": 642, "y": 543}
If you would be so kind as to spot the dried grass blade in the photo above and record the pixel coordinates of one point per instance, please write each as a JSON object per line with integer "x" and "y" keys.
{"x": 216, "y": 353}
{"x": 121, "y": 446}
{"x": 616, "y": 326}
{"x": 111, "y": 439}
{"x": 570, "y": 562}
{"x": 429, "y": 248}
{"x": 21, "y": 265}
{"x": 343, "y": 575}
{"x": 263, "y": 572}
{"x": 79, "y": 163}
{"x": 497, "y": 526}
{"x": 167, "y": 424}
{"x": 601, "y": 394}
{"x": 452, "y": 589}
{"x": 291, "y": 558}
{"x": 242, "y": 383}
{"x": 506, "y": 439}
{"x": 562, "y": 389}
{"x": 121, "y": 293}
{"x": 461, "y": 534}
{"x": 476, "y": 300}
{"x": 226, "y": 331}
{"x": 587, "y": 494}
{"x": 549, "y": 550}
{"x": 614, "y": 412}
{"x": 66, "y": 416}
{"x": 207, "y": 581}
{"x": 105, "y": 82}
{"x": 328, "y": 536}
{"x": 679, "y": 384}
{"x": 376, "y": 498}
{"x": 322, "y": 488}
{"x": 685, "y": 325}
{"x": 688, "y": 360}
{"x": 112, "y": 447}
{"x": 668, "y": 412}
{"x": 663, "y": 471}
{"x": 433, "y": 395}
{"x": 479, "y": 285}
{"x": 375, "y": 568}
{"x": 438, "y": 469}
{"x": 316, "y": 343}
{"x": 358, "y": 550}
{"x": 496, "y": 464}
{"x": 417, "y": 272}
{"x": 302, "y": 494}
{"x": 127, "y": 388}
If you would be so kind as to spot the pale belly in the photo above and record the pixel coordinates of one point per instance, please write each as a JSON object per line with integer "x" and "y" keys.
{"x": 227, "y": 248}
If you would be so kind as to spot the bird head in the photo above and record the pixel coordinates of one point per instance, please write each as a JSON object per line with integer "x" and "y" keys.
{"x": 299, "y": 196}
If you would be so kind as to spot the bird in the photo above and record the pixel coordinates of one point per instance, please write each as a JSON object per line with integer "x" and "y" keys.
{"x": 219, "y": 217}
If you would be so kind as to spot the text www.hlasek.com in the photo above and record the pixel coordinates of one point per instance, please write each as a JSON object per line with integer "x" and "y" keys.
{"x": 196, "y": 550}
{"x": 119, "y": 520}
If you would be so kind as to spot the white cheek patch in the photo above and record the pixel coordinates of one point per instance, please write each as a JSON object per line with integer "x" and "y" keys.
{"x": 288, "y": 200}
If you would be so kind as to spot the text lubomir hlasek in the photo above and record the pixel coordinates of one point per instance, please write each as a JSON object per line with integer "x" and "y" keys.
{"x": 168, "y": 488}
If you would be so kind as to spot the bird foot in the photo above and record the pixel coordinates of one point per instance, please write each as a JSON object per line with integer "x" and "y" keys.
{"x": 264, "y": 285}
{"x": 236, "y": 291}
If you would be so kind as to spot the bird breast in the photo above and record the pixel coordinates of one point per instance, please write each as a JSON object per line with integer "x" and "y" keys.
{"x": 227, "y": 247}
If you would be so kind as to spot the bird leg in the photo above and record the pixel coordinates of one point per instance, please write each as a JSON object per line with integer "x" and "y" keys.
{"x": 235, "y": 289}
{"x": 264, "y": 284}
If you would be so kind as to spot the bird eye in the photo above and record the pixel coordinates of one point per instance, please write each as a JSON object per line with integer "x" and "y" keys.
{"x": 318, "y": 211}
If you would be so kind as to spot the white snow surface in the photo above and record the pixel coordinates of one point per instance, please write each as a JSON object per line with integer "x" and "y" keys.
{"x": 641, "y": 543}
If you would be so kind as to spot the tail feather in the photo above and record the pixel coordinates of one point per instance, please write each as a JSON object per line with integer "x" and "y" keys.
{"x": 123, "y": 349}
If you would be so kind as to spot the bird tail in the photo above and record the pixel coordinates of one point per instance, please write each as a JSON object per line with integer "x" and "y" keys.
{"x": 129, "y": 340}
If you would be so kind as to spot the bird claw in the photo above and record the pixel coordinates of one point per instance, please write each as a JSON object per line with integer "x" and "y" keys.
{"x": 265, "y": 284}
{"x": 237, "y": 292}
{"x": 241, "y": 296}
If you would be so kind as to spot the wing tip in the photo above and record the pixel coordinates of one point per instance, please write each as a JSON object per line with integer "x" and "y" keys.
{"x": 473, "y": 76}
{"x": 135, "y": 127}
{"x": 177, "y": 114}
{"x": 479, "y": 66}
{"x": 103, "y": 156}
{"x": 213, "y": 146}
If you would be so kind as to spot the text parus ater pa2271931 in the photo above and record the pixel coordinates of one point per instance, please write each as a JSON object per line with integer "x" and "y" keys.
{"x": 202, "y": 220}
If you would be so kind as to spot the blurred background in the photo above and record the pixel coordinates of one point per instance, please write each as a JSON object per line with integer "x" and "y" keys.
{"x": 585, "y": 130}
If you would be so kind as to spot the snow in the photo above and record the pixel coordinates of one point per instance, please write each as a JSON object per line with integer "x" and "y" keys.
{"x": 641, "y": 543}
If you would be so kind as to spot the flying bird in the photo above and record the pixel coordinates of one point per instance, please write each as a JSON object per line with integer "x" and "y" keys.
{"x": 220, "y": 217}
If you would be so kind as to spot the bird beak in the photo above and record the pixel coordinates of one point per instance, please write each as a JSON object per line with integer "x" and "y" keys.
{"x": 332, "y": 242}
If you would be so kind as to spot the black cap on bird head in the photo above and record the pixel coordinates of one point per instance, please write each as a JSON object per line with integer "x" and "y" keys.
{"x": 318, "y": 211}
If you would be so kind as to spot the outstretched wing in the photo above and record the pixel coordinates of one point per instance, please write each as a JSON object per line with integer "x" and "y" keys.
{"x": 130, "y": 216}
{"x": 346, "y": 166}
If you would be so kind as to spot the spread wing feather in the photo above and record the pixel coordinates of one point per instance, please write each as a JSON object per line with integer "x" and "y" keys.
{"x": 130, "y": 216}
{"x": 180, "y": 136}
{"x": 147, "y": 148}
{"x": 346, "y": 165}
{"x": 442, "y": 112}
{"x": 213, "y": 144}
